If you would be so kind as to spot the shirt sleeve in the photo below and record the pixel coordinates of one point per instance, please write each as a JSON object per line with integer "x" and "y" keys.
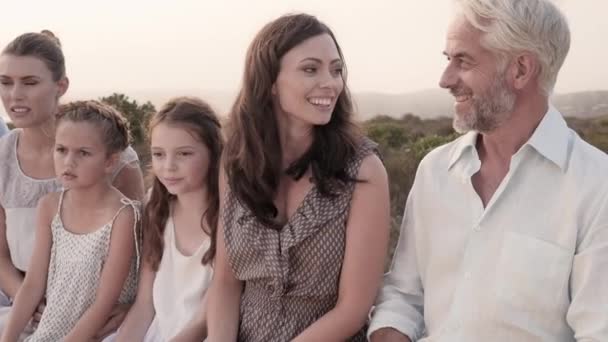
{"x": 400, "y": 301}
{"x": 588, "y": 311}
{"x": 3, "y": 127}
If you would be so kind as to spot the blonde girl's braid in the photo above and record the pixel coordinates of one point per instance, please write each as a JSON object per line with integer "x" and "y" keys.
{"x": 114, "y": 127}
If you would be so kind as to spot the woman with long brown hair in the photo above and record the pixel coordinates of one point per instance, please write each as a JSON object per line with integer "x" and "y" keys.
{"x": 304, "y": 216}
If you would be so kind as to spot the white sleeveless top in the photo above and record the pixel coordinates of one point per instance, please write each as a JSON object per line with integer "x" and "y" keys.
{"x": 19, "y": 195}
{"x": 180, "y": 284}
{"x": 75, "y": 267}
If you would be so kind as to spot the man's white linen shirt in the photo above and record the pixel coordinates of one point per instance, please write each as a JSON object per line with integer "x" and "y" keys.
{"x": 531, "y": 266}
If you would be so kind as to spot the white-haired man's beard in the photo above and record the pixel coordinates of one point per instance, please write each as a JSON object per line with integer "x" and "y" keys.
{"x": 489, "y": 110}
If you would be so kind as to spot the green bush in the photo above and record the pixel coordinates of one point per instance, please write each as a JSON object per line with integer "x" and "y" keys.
{"x": 138, "y": 116}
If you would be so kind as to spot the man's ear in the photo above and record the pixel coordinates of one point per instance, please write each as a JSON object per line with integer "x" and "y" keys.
{"x": 525, "y": 70}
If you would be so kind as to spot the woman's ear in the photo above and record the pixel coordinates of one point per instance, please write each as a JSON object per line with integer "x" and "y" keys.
{"x": 64, "y": 84}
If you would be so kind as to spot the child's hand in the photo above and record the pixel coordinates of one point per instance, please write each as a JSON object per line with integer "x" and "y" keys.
{"x": 39, "y": 310}
{"x": 117, "y": 316}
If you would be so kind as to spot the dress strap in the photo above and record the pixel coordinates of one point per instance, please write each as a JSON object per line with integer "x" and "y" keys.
{"x": 136, "y": 232}
{"x": 60, "y": 204}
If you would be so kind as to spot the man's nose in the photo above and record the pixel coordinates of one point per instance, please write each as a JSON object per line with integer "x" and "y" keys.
{"x": 449, "y": 77}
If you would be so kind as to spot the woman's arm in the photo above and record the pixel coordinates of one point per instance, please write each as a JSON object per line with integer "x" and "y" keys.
{"x": 113, "y": 276}
{"x": 130, "y": 181}
{"x": 32, "y": 290}
{"x": 10, "y": 277}
{"x": 224, "y": 294}
{"x": 367, "y": 235}
{"x": 224, "y": 297}
{"x": 142, "y": 312}
{"x": 388, "y": 335}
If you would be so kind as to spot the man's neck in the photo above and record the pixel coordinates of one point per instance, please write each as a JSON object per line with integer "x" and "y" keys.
{"x": 503, "y": 142}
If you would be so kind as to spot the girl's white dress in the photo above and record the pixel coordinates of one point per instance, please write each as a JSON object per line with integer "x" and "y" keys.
{"x": 178, "y": 290}
{"x": 75, "y": 267}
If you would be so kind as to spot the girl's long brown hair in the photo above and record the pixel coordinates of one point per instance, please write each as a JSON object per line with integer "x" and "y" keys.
{"x": 198, "y": 119}
{"x": 253, "y": 150}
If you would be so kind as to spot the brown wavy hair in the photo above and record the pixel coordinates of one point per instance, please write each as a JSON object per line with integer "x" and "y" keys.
{"x": 197, "y": 117}
{"x": 113, "y": 126}
{"x": 253, "y": 158}
{"x": 44, "y": 46}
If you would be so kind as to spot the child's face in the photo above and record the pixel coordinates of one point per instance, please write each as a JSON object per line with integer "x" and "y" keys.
{"x": 179, "y": 160}
{"x": 80, "y": 156}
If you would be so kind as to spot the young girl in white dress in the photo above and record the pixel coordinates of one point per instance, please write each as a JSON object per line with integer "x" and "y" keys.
{"x": 85, "y": 258}
{"x": 180, "y": 221}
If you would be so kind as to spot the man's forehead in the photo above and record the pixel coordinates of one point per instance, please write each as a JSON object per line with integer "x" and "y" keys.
{"x": 460, "y": 28}
{"x": 462, "y": 37}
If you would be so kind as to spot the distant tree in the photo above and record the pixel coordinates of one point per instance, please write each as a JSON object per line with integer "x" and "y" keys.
{"x": 138, "y": 116}
{"x": 426, "y": 144}
{"x": 410, "y": 119}
{"x": 381, "y": 119}
{"x": 388, "y": 134}
{"x": 594, "y": 131}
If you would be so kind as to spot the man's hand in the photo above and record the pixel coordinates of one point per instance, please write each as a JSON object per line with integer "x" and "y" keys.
{"x": 388, "y": 335}
{"x": 117, "y": 316}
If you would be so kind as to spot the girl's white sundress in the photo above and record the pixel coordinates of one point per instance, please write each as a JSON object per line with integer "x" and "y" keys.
{"x": 179, "y": 286}
{"x": 75, "y": 267}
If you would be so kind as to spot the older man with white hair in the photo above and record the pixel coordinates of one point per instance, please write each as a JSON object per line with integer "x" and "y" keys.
{"x": 505, "y": 231}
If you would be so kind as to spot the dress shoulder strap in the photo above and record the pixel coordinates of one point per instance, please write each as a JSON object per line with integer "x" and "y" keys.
{"x": 60, "y": 203}
{"x": 135, "y": 205}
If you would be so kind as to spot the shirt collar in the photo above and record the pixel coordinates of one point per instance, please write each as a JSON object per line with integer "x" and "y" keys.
{"x": 465, "y": 143}
{"x": 550, "y": 139}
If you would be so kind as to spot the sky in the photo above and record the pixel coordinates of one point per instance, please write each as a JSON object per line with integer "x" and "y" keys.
{"x": 390, "y": 46}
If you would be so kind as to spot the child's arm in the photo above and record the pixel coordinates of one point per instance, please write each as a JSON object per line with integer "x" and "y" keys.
{"x": 142, "y": 312}
{"x": 113, "y": 276}
{"x": 32, "y": 290}
{"x": 196, "y": 329}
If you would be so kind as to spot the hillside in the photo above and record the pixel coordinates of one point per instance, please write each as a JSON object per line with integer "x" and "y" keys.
{"x": 438, "y": 102}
